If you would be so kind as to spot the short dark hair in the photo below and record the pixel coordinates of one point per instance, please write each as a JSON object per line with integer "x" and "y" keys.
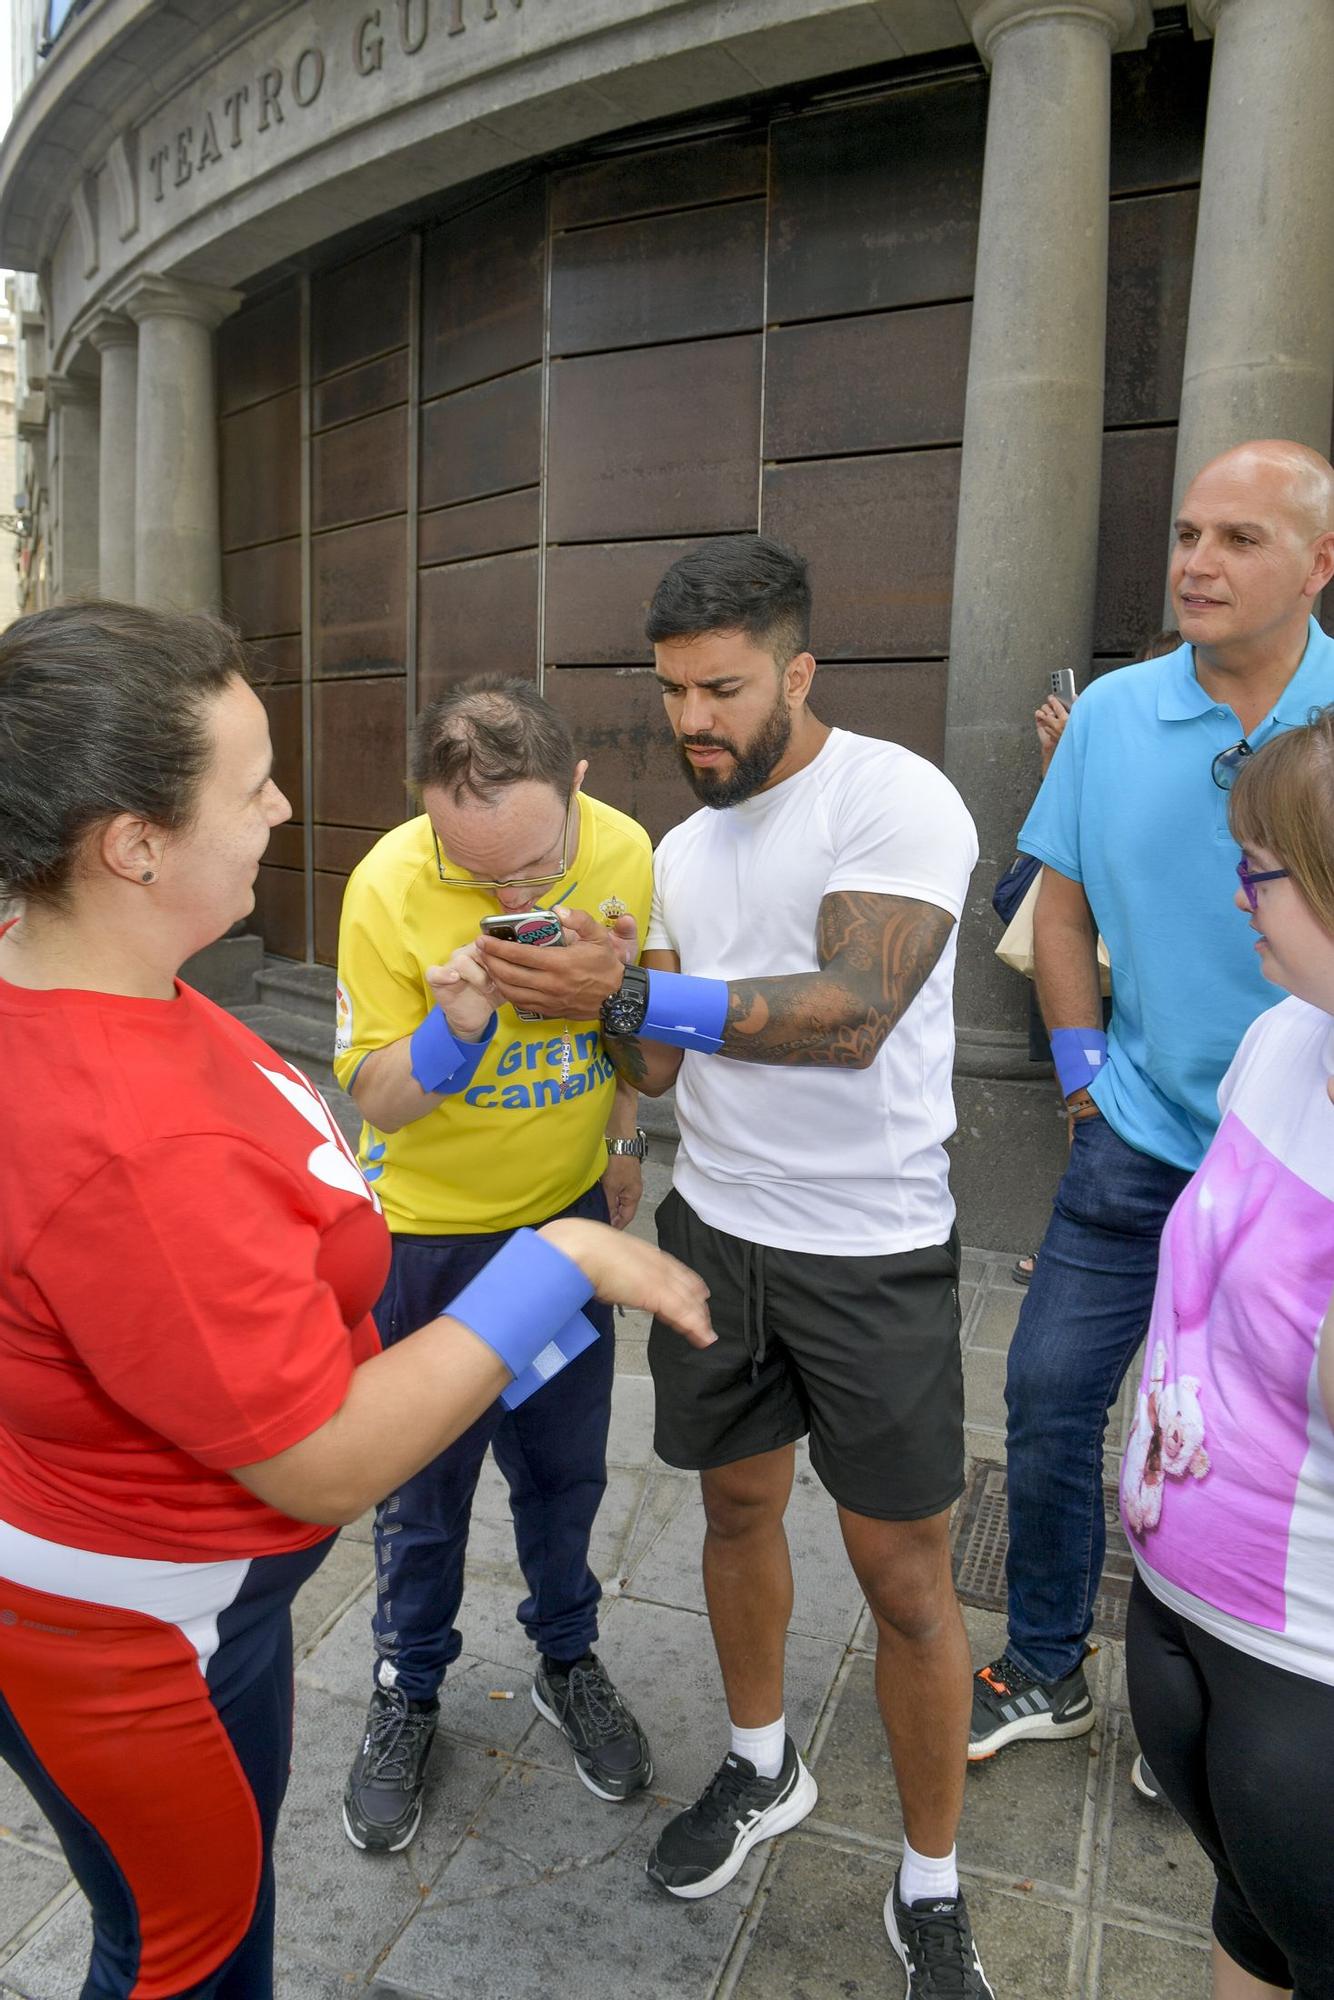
{"x": 103, "y": 710}
{"x": 740, "y": 583}
{"x": 490, "y": 732}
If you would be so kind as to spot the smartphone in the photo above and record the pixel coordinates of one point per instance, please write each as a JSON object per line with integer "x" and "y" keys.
{"x": 534, "y": 927}
{"x": 1063, "y": 685}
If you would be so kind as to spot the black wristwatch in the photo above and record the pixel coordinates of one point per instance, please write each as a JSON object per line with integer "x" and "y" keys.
{"x": 623, "y": 1011}
{"x": 635, "y": 1149}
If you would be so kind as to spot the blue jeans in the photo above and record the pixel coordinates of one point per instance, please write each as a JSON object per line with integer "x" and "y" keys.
{"x": 1085, "y": 1314}
{"x": 552, "y": 1451}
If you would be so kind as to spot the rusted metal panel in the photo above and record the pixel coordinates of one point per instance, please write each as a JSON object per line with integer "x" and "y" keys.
{"x": 361, "y": 308}
{"x": 338, "y": 849}
{"x": 879, "y": 533}
{"x": 259, "y": 351}
{"x": 1160, "y": 95}
{"x": 280, "y": 910}
{"x": 376, "y": 385}
{"x": 878, "y": 205}
{"x": 655, "y": 441}
{"x": 360, "y": 470}
{"x": 483, "y": 440}
{"x": 872, "y": 383}
{"x": 360, "y": 599}
{"x": 481, "y": 527}
{"x": 1150, "y": 255}
{"x": 286, "y": 848}
{"x": 661, "y": 178}
{"x": 260, "y": 452}
{"x": 617, "y": 720}
{"x": 274, "y": 660}
{"x": 482, "y": 285}
{"x": 476, "y": 618}
{"x": 663, "y": 277}
{"x": 261, "y": 588}
{"x": 598, "y": 598}
{"x": 358, "y": 778}
{"x": 902, "y": 701}
{"x": 1134, "y": 527}
{"x": 283, "y": 707}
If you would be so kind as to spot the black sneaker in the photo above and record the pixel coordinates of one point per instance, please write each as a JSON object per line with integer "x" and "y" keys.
{"x": 1009, "y": 1704}
{"x": 611, "y": 1752}
{"x": 701, "y": 1849}
{"x": 934, "y": 1941}
{"x": 1142, "y": 1778}
{"x": 382, "y": 1800}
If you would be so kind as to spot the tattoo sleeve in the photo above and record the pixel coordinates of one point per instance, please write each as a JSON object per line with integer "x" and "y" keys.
{"x": 875, "y": 954}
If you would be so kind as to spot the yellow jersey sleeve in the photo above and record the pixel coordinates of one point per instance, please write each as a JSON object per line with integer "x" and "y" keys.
{"x": 380, "y": 996}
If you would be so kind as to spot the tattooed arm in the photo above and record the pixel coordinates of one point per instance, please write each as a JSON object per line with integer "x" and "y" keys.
{"x": 875, "y": 954}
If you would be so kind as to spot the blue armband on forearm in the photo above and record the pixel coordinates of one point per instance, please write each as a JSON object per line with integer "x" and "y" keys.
{"x": 686, "y": 1012}
{"x": 439, "y": 1062}
{"x": 1079, "y": 1054}
{"x": 525, "y": 1305}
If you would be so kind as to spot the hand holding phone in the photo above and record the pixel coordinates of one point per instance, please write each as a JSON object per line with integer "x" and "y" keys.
{"x": 530, "y": 927}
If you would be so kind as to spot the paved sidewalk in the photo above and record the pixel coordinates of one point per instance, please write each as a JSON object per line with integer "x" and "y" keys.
{"x": 522, "y": 1886}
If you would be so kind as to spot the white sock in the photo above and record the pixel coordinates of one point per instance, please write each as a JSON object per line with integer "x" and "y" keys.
{"x": 761, "y": 1747}
{"x": 925, "y": 1880}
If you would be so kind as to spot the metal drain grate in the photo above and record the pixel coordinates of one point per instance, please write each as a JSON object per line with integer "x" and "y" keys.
{"x": 982, "y": 1536}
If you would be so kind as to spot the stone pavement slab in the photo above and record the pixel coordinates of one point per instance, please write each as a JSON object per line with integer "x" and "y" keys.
{"x": 522, "y": 1886}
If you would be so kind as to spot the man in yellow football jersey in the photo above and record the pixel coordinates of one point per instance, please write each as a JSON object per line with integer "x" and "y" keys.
{"x": 477, "y": 1123}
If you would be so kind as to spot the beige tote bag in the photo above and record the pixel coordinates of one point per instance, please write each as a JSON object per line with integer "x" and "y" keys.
{"x": 1016, "y": 946}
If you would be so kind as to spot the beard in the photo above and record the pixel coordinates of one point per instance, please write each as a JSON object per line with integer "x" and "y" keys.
{"x": 751, "y": 768}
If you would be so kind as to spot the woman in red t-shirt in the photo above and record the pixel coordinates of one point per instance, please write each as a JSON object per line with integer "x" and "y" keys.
{"x": 192, "y": 1395}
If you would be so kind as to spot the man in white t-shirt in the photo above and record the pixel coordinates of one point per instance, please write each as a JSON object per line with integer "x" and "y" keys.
{"x": 797, "y": 988}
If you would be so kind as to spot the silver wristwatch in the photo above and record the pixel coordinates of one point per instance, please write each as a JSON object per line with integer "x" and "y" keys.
{"x": 636, "y": 1148}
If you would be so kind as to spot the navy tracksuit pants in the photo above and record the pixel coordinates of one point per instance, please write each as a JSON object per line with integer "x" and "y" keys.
{"x": 552, "y": 1451}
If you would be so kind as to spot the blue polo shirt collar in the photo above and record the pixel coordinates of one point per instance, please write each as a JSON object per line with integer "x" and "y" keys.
{"x": 1181, "y": 697}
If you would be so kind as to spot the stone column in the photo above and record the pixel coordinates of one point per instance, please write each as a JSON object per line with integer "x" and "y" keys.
{"x": 1026, "y": 553}
{"x": 73, "y": 400}
{"x": 1260, "y": 340}
{"x": 177, "y": 552}
{"x": 117, "y": 341}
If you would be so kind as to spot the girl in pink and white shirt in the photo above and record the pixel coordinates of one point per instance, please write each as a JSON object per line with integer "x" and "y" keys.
{"x": 1228, "y": 1484}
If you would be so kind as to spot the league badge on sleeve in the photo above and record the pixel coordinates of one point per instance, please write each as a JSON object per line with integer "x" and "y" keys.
{"x": 342, "y": 1020}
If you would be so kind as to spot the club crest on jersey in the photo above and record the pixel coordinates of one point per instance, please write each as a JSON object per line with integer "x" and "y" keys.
{"x": 611, "y": 908}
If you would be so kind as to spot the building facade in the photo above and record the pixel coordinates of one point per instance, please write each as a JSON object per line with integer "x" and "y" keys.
{"x": 422, "y": 336}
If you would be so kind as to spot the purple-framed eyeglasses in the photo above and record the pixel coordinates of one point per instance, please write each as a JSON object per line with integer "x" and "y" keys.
{"x": 1250, "y": 880}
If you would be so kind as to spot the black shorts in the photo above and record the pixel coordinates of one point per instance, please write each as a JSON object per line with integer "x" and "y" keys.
{"x": 862, "y": 1353}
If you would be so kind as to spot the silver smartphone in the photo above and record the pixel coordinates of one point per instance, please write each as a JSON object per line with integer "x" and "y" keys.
{"x": 533, "y": 927}
{"x": 1063, "y": 685}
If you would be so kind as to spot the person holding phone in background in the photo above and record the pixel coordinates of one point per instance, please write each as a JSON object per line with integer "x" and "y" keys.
{"x": 1131, "y": 826}
{"x": 478, "y": 1122}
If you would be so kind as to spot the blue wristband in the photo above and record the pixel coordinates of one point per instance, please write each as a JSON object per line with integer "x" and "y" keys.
{"x": 440, "y": 1063}
{"x": 525, "y": 1305}
{"x": 686, "y": 1012}
{"x": 1079, "y": 1054}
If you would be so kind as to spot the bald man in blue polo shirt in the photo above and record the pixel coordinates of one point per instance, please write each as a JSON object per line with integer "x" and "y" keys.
{"x": 1131, "y": 822}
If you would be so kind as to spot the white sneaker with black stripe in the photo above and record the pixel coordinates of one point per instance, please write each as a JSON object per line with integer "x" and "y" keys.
{"x": 1010, "y": 1705}
{"x": 700, "y": 1850}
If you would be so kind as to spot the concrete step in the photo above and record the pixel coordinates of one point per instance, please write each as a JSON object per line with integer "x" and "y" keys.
{"x": 297, "y": 989}
{"x": 307, "y": 1043}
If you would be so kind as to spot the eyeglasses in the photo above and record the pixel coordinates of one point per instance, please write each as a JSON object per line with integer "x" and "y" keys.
{"x": 1250, "y": 881}
{"x": 1228, "y": 762}
{"x": 510, "y": 881}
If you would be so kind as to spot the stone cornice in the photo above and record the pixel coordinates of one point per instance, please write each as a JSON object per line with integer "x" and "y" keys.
{"x": 152, "y": 296}
{"x": 112, "y": 330}
{"x": 64, "y": 390}
{"x": 1126, "y": 23}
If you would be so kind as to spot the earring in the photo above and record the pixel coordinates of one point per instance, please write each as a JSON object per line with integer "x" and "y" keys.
{"x": 147, "y": 876}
